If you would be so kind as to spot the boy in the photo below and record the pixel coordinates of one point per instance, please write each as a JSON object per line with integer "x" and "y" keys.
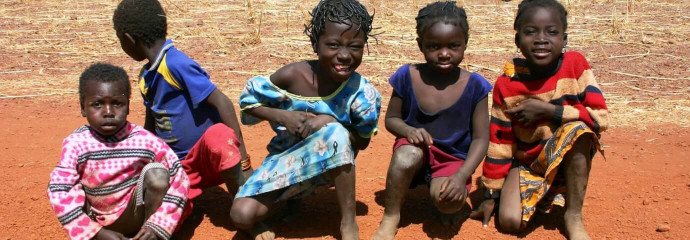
{"x": 183, "y": 107}
{"x": 111, "y": 168}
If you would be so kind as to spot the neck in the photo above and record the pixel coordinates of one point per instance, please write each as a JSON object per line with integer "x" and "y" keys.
{"x": 153, "y": 50}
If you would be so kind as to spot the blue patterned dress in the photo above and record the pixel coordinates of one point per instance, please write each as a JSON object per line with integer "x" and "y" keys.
{"x": 299, "y": 164}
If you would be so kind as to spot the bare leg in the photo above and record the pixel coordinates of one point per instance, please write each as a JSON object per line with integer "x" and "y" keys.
{"x": 248, "y": 212}
{"x": 406, "y": 161}
{"x": 233, "y": 179}
{"x": 448, "y": 210}
{"x": 510, "y": 207}
{"x": 344, "y": 179}
{"x": 156, "y": 184}
{"x": 577, "y": 164}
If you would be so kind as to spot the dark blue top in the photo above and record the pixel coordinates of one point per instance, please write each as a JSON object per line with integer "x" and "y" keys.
{"x": 451, "y": 128}
{"x": 175, "y": 88}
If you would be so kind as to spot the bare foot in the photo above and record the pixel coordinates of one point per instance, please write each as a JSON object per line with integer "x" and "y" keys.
{"x": 387, "y": 229}
{"x": 261, "y": 231}
{"x": 575, "y": 227}
{"x": 349, "y": 231}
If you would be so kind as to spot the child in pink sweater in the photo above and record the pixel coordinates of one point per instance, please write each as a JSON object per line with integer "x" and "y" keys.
{"x": 115, "y": 179}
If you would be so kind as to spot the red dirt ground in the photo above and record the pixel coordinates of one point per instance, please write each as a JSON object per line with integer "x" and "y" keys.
{"x": 643, "y": 182}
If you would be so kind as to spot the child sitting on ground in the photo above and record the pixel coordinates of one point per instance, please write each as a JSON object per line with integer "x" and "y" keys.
{"x": 439, "y": 114}
{"x": 547, "y": 114}
{"x": 323, "y": 113}
{"x": 114, "y": 178}
{"x": 183, "y": 107}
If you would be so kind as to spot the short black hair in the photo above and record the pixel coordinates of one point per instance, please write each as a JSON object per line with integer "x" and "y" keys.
{"x": 103, "y": 72}
{"x": 526, "y": 5}
{"x": 446, "y": 11}
{"x": 144, "y": 20}
{"x": 349, "y": 12}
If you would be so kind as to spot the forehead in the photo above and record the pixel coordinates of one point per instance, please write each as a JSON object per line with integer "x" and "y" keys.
{"x": 337, "y": 30}
{"x": 444, "y": 29}
{"x": 101, "y": 88}
{"x": 541, "y": 15}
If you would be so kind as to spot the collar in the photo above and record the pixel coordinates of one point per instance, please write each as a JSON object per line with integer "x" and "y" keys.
{"x": 168, "y": 44}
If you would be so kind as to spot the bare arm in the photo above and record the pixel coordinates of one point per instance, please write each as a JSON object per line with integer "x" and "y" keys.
{"x": 397, "y": 126}
{"x": 227, "y": 115}
{"x": 480, "y": 138}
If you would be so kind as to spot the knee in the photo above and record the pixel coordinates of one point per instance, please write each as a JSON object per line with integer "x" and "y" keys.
{"x": 407, "y": 157}
{"x": 448, "y": 207}
{"x": 242, "y": 215}
{"x": 157, "y": 180}
{"x": 509, "y": 222}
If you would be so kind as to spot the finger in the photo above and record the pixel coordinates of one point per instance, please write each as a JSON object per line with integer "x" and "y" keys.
{"x": 427, "y": 138}
{"x": 139, "y": 234}
{"x": 444, "y": 190}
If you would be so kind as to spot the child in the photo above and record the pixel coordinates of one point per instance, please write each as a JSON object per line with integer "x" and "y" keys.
{"x": 183, "y": 107}
{"x": 440, "y": 116}
{"x": 322, "y": 111}
{"x": 114, "y": 178}
{"x": 546, "y": 119}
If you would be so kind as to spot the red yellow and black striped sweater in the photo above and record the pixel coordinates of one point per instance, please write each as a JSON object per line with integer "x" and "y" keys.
{"x": 572, "y": 89}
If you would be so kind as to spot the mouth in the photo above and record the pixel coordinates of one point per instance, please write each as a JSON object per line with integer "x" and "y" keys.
{"x": 342, "y": 68}
{"x": 541, "y": 53}
{"x": 445, "y": 66}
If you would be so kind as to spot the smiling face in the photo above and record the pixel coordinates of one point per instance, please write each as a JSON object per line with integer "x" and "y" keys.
{"x": 443, "y": 46}
{"x": 105, "y": 106}
{"x": 541, "y": 37}
{"x": 340, "y": 49}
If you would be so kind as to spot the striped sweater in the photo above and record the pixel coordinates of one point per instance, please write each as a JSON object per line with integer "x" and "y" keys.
{"x": 572, "y": 88}
{"x": 103, "y": 171}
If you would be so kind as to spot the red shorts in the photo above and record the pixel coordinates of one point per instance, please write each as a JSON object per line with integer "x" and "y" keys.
{"x": 436, "y": 164}
{"x": 216, "y": 150}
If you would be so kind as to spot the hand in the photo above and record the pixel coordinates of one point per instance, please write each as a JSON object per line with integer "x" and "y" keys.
{"x": 105, "y": 234}
{"x": 145, "y": 234}
{"x": 453, "y": 189}
{"x": 484, "y": 211}
{"x": 313, "y": 124}
{"x": 294, "y": 121}
{"x": 531, "y": 111}
{"x": 419, "y": 136}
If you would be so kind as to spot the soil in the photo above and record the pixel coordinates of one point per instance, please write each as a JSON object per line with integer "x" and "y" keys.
{"x": 643, "y": 183}
{"x": 637, "y": 49}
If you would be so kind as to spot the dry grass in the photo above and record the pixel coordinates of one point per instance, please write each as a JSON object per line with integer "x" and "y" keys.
{"x": 637, "y": 47}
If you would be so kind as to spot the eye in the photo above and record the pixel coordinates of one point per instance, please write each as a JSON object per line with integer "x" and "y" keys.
{"x": 455, "y": 46}
{"x": 332, "y": 45}
{"x": 553, "y": 32}
{"x": 357, "y": 46}
{"x": 96, "y": 104}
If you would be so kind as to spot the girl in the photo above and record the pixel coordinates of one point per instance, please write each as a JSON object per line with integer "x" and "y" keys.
{"x": 322, "y": 111}
{"x": 439, "y": 114}
{"x": 546, "y": 119}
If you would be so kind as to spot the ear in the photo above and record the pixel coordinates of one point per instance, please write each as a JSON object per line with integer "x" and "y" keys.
{"x": 565, "y": 39}
{"x": 419, "y": 43}
{"x": 127, "y": 112}
{"x": 127, "y": 37}
{"x": 517, "y": 40}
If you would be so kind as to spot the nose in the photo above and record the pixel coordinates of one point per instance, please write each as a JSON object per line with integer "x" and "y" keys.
{"x": 444, "y": 53}
{"x": 109, "y": 111}
{"x": 541, "y": 37}
{"x": 343, "y": 55}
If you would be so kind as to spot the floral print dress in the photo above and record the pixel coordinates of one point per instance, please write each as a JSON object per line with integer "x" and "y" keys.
{"x": 299, "y": 164}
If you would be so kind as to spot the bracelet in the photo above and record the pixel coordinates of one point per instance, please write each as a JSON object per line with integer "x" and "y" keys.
{"x": 246, "y": 163}
{"x": 492, "y": 194}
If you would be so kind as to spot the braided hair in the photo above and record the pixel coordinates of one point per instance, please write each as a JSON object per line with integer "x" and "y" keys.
{"x": 103, "y": 72}
{"x": 348, "y": 12}
{"x": 445, "y": 11}
{"x": 143, "y": 19}
{"x": 526, "y": 5}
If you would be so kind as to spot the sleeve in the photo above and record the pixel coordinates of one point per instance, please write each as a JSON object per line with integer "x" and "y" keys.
{"x": 67, "y": 197}
{"x": 189, "y": 76}
{"x": 501, "y": 144}
{"x": 167, "y": 217}
{"x": 259, "y": 91}
{"x": 365, "y": 110}
{"x": 590, "y": 106}
{"x": 400, "y": 80}
{"x": 481, "y": 89}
